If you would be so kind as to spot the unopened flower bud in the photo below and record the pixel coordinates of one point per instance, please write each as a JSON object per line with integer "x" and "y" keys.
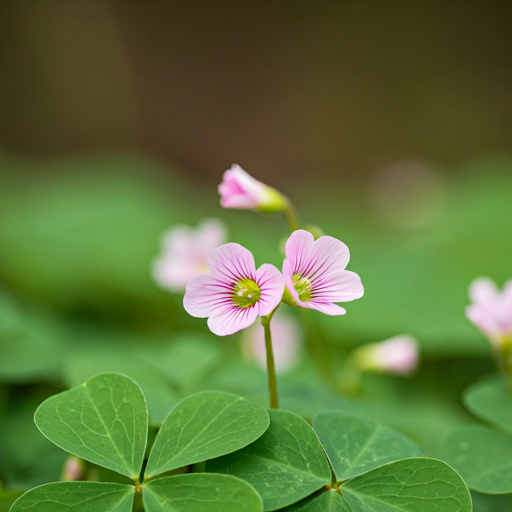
{"x": 399, "y": 355}
{"x": 241, "y": 191}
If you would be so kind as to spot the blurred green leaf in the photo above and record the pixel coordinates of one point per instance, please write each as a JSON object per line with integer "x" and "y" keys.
{"x": 200, "y": 492}
{"x": 110, "y": 355}
{"x": 77, "y": 497}
{"x": 104, "y": 421}
{"x": 355, "y": 444}
{"x": 186, "y": 360}
{"x": 483, "y": 457}
{"x": 491, "y": 402}
{"x": 284, "y": 465}
{"x": 27, "y": 458}
{"x": 409, "y": 485}
{"x": 32, "y": 342}
{"x": 203, "y": 426}
{"x": 490, "y": 503}
{"x": 7, "y": 499}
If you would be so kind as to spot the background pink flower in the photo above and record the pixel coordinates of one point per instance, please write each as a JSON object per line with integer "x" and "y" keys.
{"x": 315, "y": 273}
{"x": 287, "y": 342}
{"x": 399, "y": 355}
{"x": 491, "y": 309}
{"x": 184, "y": 253}
{"x": 240, "y": 190}
{"x": 235, "y": 293}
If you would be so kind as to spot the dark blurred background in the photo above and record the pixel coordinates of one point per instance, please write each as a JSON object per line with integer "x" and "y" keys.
{"x": 290, "y": 90}
{"x": 389, "y": 124}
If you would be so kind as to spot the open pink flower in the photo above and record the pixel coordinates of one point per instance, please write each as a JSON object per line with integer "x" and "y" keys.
{"x": 491, "y": 309}
{"x": 184, "y": 253}
{"x": 241, "y": 191}
{"x": 235, "y": 293}
{"x": 315, "y": 273}
{"x": 287, "y": 342}
{"x": 399, "y": 355}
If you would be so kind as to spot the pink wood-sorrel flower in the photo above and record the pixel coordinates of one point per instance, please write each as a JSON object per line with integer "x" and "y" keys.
{"x": 315, "y": 273}
{"x": 184, "y": 253}
{"x": 241, "y": 191}
{"x": 491, "y": 310}
{"x": 398, "y": 355}
{"x": 235, "y": 293}
{"x": 287, "y": 342}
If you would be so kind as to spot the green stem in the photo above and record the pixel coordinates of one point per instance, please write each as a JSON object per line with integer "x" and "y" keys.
{"x": 271, "y": 367}
{"x": 506, "y": 361}
{"x": 291, "y": 216}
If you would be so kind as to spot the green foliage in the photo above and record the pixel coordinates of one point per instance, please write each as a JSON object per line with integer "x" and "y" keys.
{"x": 104, "y": 421}
{"x": 410, "y": 485}
{"x": 483, "y": 457}
{"x": 285, "y": 464}
{"x": 491, "y": 401}
{"x": 328, "y": 501}
{"x": 201, "y": 492}
{"x": 288, "y": 463}
{"x": 355, "y": 444}
{"x": 77, "y": 496}
{"x": 204, "y": 426}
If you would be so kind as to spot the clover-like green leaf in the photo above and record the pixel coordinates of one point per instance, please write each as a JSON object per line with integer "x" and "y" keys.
{"x": 203, "y": 426}
{"x": 287, "y": 463}
{"x": 104, "y": 421}
{"x": 76, "y": 497}
{"x": 200, "y": 492}
{"x": 409, "y": 485}
{"x": 356, "y": 444}
{"x": 491, "y": 401}
{"x": 328, "y": 501}
{"x": 483, "y": 457}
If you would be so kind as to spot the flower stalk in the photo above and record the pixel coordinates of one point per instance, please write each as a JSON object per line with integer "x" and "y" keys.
{"x": 271, "y": 367}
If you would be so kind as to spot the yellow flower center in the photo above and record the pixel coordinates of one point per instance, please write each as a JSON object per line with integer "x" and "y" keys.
{"x": 246, "y": 293}
{"x": 303, "y": 287}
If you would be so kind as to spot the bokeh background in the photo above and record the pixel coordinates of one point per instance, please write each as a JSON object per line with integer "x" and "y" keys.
{"x": 388, "y": 123}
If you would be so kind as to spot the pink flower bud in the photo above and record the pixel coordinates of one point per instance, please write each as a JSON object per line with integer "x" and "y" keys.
{"x": 398, "y": 355}
{"x": 72, "y": 469}
{"x": 287, "y": 342}
{"x": 491, "y": 309}
{"x": 241, "y": 191}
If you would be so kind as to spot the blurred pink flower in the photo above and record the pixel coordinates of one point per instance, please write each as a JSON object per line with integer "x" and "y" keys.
{"x": 235, "y": 293}
{"x": 241, "y": 191}
{"x": 491, "y": 309}
{"x": 287, "y": 342}
{"x": 184, "y": 253}
{"x": 73, "y": 469}
{"x": 315, "y": 273}
{"x": 399, "y": 354}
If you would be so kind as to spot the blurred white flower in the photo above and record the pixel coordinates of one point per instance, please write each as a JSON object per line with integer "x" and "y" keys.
{"x": 287, "y": 342}
{"x": 399, "y": 355}
{"x": 184, "y": 253}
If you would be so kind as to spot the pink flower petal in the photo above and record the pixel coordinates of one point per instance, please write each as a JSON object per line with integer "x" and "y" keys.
{"x": 297, "y": 249}
{"x": 207, "y": 294}
{"x": 340, "y": 286}
{"x": 328, "y": 308}
{"x": 271, "y": 283}
{"x": 231, "y": 319}
{"x": 483, "y": 290}
{"x": 232, "y": 261}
